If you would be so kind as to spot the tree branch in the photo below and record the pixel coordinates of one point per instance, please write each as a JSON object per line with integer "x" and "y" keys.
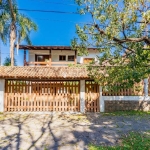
{"x": 144, "y": 39}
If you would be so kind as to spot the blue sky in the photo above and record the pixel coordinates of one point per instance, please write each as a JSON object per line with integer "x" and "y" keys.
{"x": 53, "y": 28}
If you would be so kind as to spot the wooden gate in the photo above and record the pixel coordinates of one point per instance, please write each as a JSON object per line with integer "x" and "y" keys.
{"x": 42, "y": 95}
{"x": 91, "y": 96}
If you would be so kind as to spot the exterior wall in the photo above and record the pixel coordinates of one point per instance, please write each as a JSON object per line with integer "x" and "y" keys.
{"x": 92, "y": 54}
{"x": 101, "y": 100}
{"x": 55, "y": 55}
{"x": 122, "y": 103}
{"x": 2, "y": 90}
{"x": 82, "y": 96}
{"x": 38, "y": 52}
{"x": 111, "y": 106}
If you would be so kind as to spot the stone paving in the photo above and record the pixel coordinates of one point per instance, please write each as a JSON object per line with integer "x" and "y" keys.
{"x": 65, "y": 131}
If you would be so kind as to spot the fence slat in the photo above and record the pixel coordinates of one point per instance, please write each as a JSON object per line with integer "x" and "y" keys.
{"x": 91, "y": 96}
{"x": 42, "y": 95}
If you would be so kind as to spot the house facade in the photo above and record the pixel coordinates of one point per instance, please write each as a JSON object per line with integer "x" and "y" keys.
{"x": 55, "y": 78}
{"x": 56, "y": 56}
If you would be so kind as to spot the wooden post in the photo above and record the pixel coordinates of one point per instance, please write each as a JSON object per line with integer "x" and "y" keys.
{"x": 50, "y": 58}
{"x": 25, "y": 62}
{"x": 75, "y": 58}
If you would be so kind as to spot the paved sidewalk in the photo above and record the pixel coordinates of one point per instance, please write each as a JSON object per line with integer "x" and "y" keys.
{"x": 65, "y": 132}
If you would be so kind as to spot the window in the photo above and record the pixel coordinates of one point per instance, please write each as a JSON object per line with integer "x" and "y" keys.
{"x": 88, "y": 60}
{"x": 62, "y": 57}
{"x": 41, "y": 58}
{"x": 71, "y": 58}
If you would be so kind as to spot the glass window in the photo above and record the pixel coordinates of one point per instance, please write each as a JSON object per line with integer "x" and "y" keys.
{"x": 42, "y": 58}
{"x": 62, "y": 57}
{"x": 71, "y": 58}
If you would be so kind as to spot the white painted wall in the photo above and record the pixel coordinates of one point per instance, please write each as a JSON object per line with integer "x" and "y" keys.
{"x": 125, "y": 98}
{"x": 2, "y": 90}
{"x": 146, "y": 87}
{"x": 101, "y": 100}
{"x": 55, "y": 55}
{"x": 82, "y": 96}
{"x": 38, "y": 52}
{"x": 92, "y": 54}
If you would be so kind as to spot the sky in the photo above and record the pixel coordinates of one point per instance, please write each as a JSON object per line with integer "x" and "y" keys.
{"x": 53, "y": 28}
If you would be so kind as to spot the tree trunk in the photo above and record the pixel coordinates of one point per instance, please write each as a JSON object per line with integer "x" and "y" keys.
{"x": 12, "y": 32}
{"x": 12, "y": 42}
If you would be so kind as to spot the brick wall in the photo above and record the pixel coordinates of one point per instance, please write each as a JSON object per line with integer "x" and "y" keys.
{"x": 117, "y": 105}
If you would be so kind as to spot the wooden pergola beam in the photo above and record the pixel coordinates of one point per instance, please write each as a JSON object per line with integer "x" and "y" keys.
{"x": 33, "y": 47}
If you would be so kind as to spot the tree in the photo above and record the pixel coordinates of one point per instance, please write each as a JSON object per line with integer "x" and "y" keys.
{"x": 120, "y": 30}
{"x": 7, "y": 62}
{"x": 14, "y": 25}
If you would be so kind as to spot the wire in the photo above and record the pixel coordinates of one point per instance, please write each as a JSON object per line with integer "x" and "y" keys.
{"x": 48, "y": 11}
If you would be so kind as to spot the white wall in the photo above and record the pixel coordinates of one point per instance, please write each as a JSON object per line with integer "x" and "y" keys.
{"x": 55, "y": 55}
{"x": 2, "y": 91}
{"x": 92, "y": 54}
{"x": 82, "y": 96}
{"x": 38, "y": 52}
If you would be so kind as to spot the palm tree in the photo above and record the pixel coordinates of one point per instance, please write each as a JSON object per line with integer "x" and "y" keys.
{"x": 14, "y": 25}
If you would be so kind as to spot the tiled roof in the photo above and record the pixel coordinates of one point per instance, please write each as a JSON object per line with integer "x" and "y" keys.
{"x": 7, "y": 72}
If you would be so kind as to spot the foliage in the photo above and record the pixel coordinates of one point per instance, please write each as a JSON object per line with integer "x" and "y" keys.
{"x": 14, "y": 26}
{"x": 77, "y": 65}
{"x": 133, "y": 141}
{"x": 120, "y": 31}
{"x": 7, "y": 62}
{"x": 24, "y": 25}
{"x": 127, "y": 113}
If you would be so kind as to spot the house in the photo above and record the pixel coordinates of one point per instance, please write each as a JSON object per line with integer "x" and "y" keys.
{"x": 55, "y": 56}
{"x": 47, "y": 82}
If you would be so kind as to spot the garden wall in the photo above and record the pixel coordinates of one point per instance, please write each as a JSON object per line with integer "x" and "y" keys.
{"x": 124, "y": 105}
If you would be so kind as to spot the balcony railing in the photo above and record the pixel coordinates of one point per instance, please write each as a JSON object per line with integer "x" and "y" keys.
{"x": 60, "y": 63}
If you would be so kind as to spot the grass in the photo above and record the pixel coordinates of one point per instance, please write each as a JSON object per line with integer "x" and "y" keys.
{"x": 127, "y": 113}
{"x": 1, "y": 116}
{"x": 132, "y": 141}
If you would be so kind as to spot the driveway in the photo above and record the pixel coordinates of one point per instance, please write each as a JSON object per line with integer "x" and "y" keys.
{"x": 65, "y": 131}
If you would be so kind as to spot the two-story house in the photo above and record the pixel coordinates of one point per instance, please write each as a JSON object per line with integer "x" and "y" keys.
{"x": 47, "y": 82}
{"x": 55, "y": 56}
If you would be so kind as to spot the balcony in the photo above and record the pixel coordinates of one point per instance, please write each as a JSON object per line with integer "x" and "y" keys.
{"x": 50, "y": 64}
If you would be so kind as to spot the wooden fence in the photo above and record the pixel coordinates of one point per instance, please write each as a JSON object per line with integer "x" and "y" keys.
{"x": 42, "y": 95}
{"x": 137, "y": 90}
{"x": 92, "y": 96}
{"x": 57, "y": 95}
